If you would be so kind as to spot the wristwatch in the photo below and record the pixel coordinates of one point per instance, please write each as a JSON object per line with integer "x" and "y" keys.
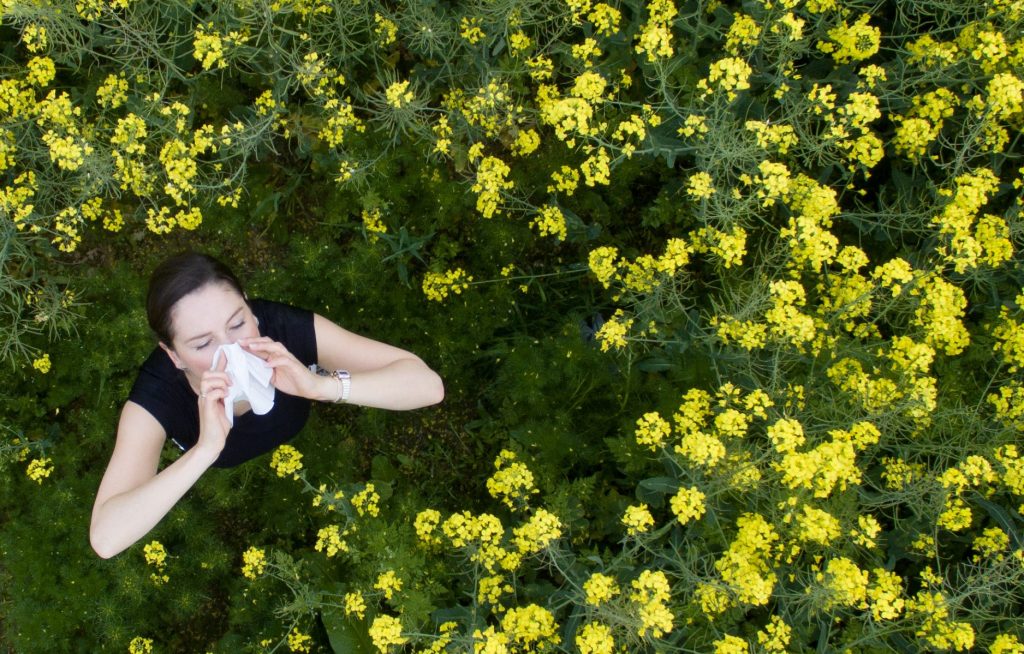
{"x": 344, "y": 384}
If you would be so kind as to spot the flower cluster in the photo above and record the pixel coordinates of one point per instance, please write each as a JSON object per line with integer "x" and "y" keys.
{"x": 437, "y": 286}
{"x": 254, "y": 562}
{"x": 285, "y": 461}
{"x": 156, "y": 556}
{"x": 512, "y": 481}
{"x": 39, "y": 469}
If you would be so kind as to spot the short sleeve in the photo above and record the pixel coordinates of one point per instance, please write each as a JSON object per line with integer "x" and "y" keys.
{"x": 289, "y": 325}
{"x": 162, "y": 390}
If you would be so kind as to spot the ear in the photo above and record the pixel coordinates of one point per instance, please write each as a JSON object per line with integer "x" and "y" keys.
{"x": 174, "y": 357}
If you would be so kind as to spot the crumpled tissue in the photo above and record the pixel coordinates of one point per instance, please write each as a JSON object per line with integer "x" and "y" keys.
{"x": 250, "y": 380}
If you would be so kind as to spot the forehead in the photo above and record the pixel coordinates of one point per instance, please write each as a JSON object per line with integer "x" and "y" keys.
{"x": 204, "y": 310}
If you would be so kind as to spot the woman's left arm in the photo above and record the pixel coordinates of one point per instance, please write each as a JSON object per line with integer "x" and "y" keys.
{"x": 382, "y": 376}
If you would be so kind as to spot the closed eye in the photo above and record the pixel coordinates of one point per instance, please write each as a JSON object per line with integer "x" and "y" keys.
{"x": 239, "y": 325}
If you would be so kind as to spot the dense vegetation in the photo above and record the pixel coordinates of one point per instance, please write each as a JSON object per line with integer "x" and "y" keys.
{"x": 727, "y": 298}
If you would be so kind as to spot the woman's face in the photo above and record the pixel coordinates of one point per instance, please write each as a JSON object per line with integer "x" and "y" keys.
{"x": 202, "y": 321}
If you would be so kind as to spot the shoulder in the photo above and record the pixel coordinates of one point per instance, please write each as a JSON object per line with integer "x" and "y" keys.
{"x": 155, "y": 374}
{"x": 287, "y": 324}
{"x": 274, "y": 313}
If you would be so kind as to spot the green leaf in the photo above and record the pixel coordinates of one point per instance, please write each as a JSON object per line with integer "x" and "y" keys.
{"x": 382, "y": 469}
{"x": 654, "y": 489}
{"x": 654, "y": 364}
{"x": 1005, "y": 520}
{"x": 347, "y": 636}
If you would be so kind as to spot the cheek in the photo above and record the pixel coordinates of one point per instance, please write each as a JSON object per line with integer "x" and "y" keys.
{"x": 251, "y": 329}
{"x": 200, "y": 361}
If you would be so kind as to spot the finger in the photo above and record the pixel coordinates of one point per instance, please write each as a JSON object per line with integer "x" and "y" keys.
{"x": 256, "y": 342}
{"x": 212, "y": 396}
{"x": 281, "y": 358}
{"x": 211, "y": 383}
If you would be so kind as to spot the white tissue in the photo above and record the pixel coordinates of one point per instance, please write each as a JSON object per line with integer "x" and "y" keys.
{"x": 250, "y": 380}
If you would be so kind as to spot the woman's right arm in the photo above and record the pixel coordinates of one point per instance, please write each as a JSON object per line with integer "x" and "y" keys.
{"x": 133, "y": 498}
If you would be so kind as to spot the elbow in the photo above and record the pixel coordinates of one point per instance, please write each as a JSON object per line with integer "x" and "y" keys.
{"x": 435, "y": 390}
{"x": 102, "y": 546}
{"x": 440, "y": 391}
{"x": 103, "y": 550}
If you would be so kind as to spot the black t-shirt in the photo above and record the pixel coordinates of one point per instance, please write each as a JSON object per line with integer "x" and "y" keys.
{"x": 163, "y": 391}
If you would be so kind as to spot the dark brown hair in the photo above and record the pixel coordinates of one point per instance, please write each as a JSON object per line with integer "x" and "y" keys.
{"x": 175, "y": 278}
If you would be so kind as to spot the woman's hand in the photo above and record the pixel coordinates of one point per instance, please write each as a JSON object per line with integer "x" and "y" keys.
{"x": 213, "y": 421}
{"x": 290, "y": 376}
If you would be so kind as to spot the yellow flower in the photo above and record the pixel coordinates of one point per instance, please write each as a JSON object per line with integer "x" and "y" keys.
{"x": 731, "y": 645}
{"x": 817, "y": 526}
{"x": 469, "y": 29}
{"x": 42, "y": 364}
{"x": 286, "y": 460}
{"x": 426, "y": 524}
{"x": 527, "y": 140}
{"x": 884, "y": 595}
{"x": 208, "y": 47}
{"x": 512, "y": 481}
{"x": 389, "y": 583}
{"x": 398, "y": 94}
{"x": 605, "y": 18}
{"x": 41, "y": 71}
{"x": 747, "y": 566}
{"x": 491, "y": 589}
{"x": 743, "y": 34}
{"x": 602, "y": 262}
{"x": 254, "y": 562}
{"x": 600, "y": 588}
{"x": 155, "y": 553}
{"x": 386, "y": 631}
{"x": 156, "y": 556}
{"x": 39, "y": 469}
{"x": 700, "y": 186}
{"x": 34, "y": 37}
{"x": 367, "y": 501}
{"x": 550, "y": 222}
{"x": 491, "y": 180}
{"x": 730, "y": 74}
{"x": 140, "y": 645}
{"x": 586, "y": 52}
{"x": 655, "y": 36}
{"x": 329, "y": 540}
{"x": 298, "y": 641}
{"x": 113, "y": 92}
{"x": 355, "y": 604}
{"x": 847, "y": 584}
{"x": 688, "y": 504}
{"x": 637, "y": 519}
{"x": 652, "y": 430}
{"x": 373, "y": 223}
{"x": 595, "y": 168}
{"x": 1006, "y": 644}
{"x": 385, "y": 30}
{"x": 852, "y": 42}
{"x": 538, "y": 532}
{"x": 595, "y": 638}
{"x": 437, "y": 286}
{"x": 519, "y": 42}
{"x": 651, "y": 593}
{"x": 775, "y": 636}
{"x": 612, "y": 333}
{"x": 532, "y": 627}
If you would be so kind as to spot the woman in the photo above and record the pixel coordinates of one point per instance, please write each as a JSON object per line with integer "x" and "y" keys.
{"x": 195, "y": 305}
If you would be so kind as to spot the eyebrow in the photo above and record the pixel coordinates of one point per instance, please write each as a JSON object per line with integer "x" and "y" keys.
{"x": 199, "y": 336}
